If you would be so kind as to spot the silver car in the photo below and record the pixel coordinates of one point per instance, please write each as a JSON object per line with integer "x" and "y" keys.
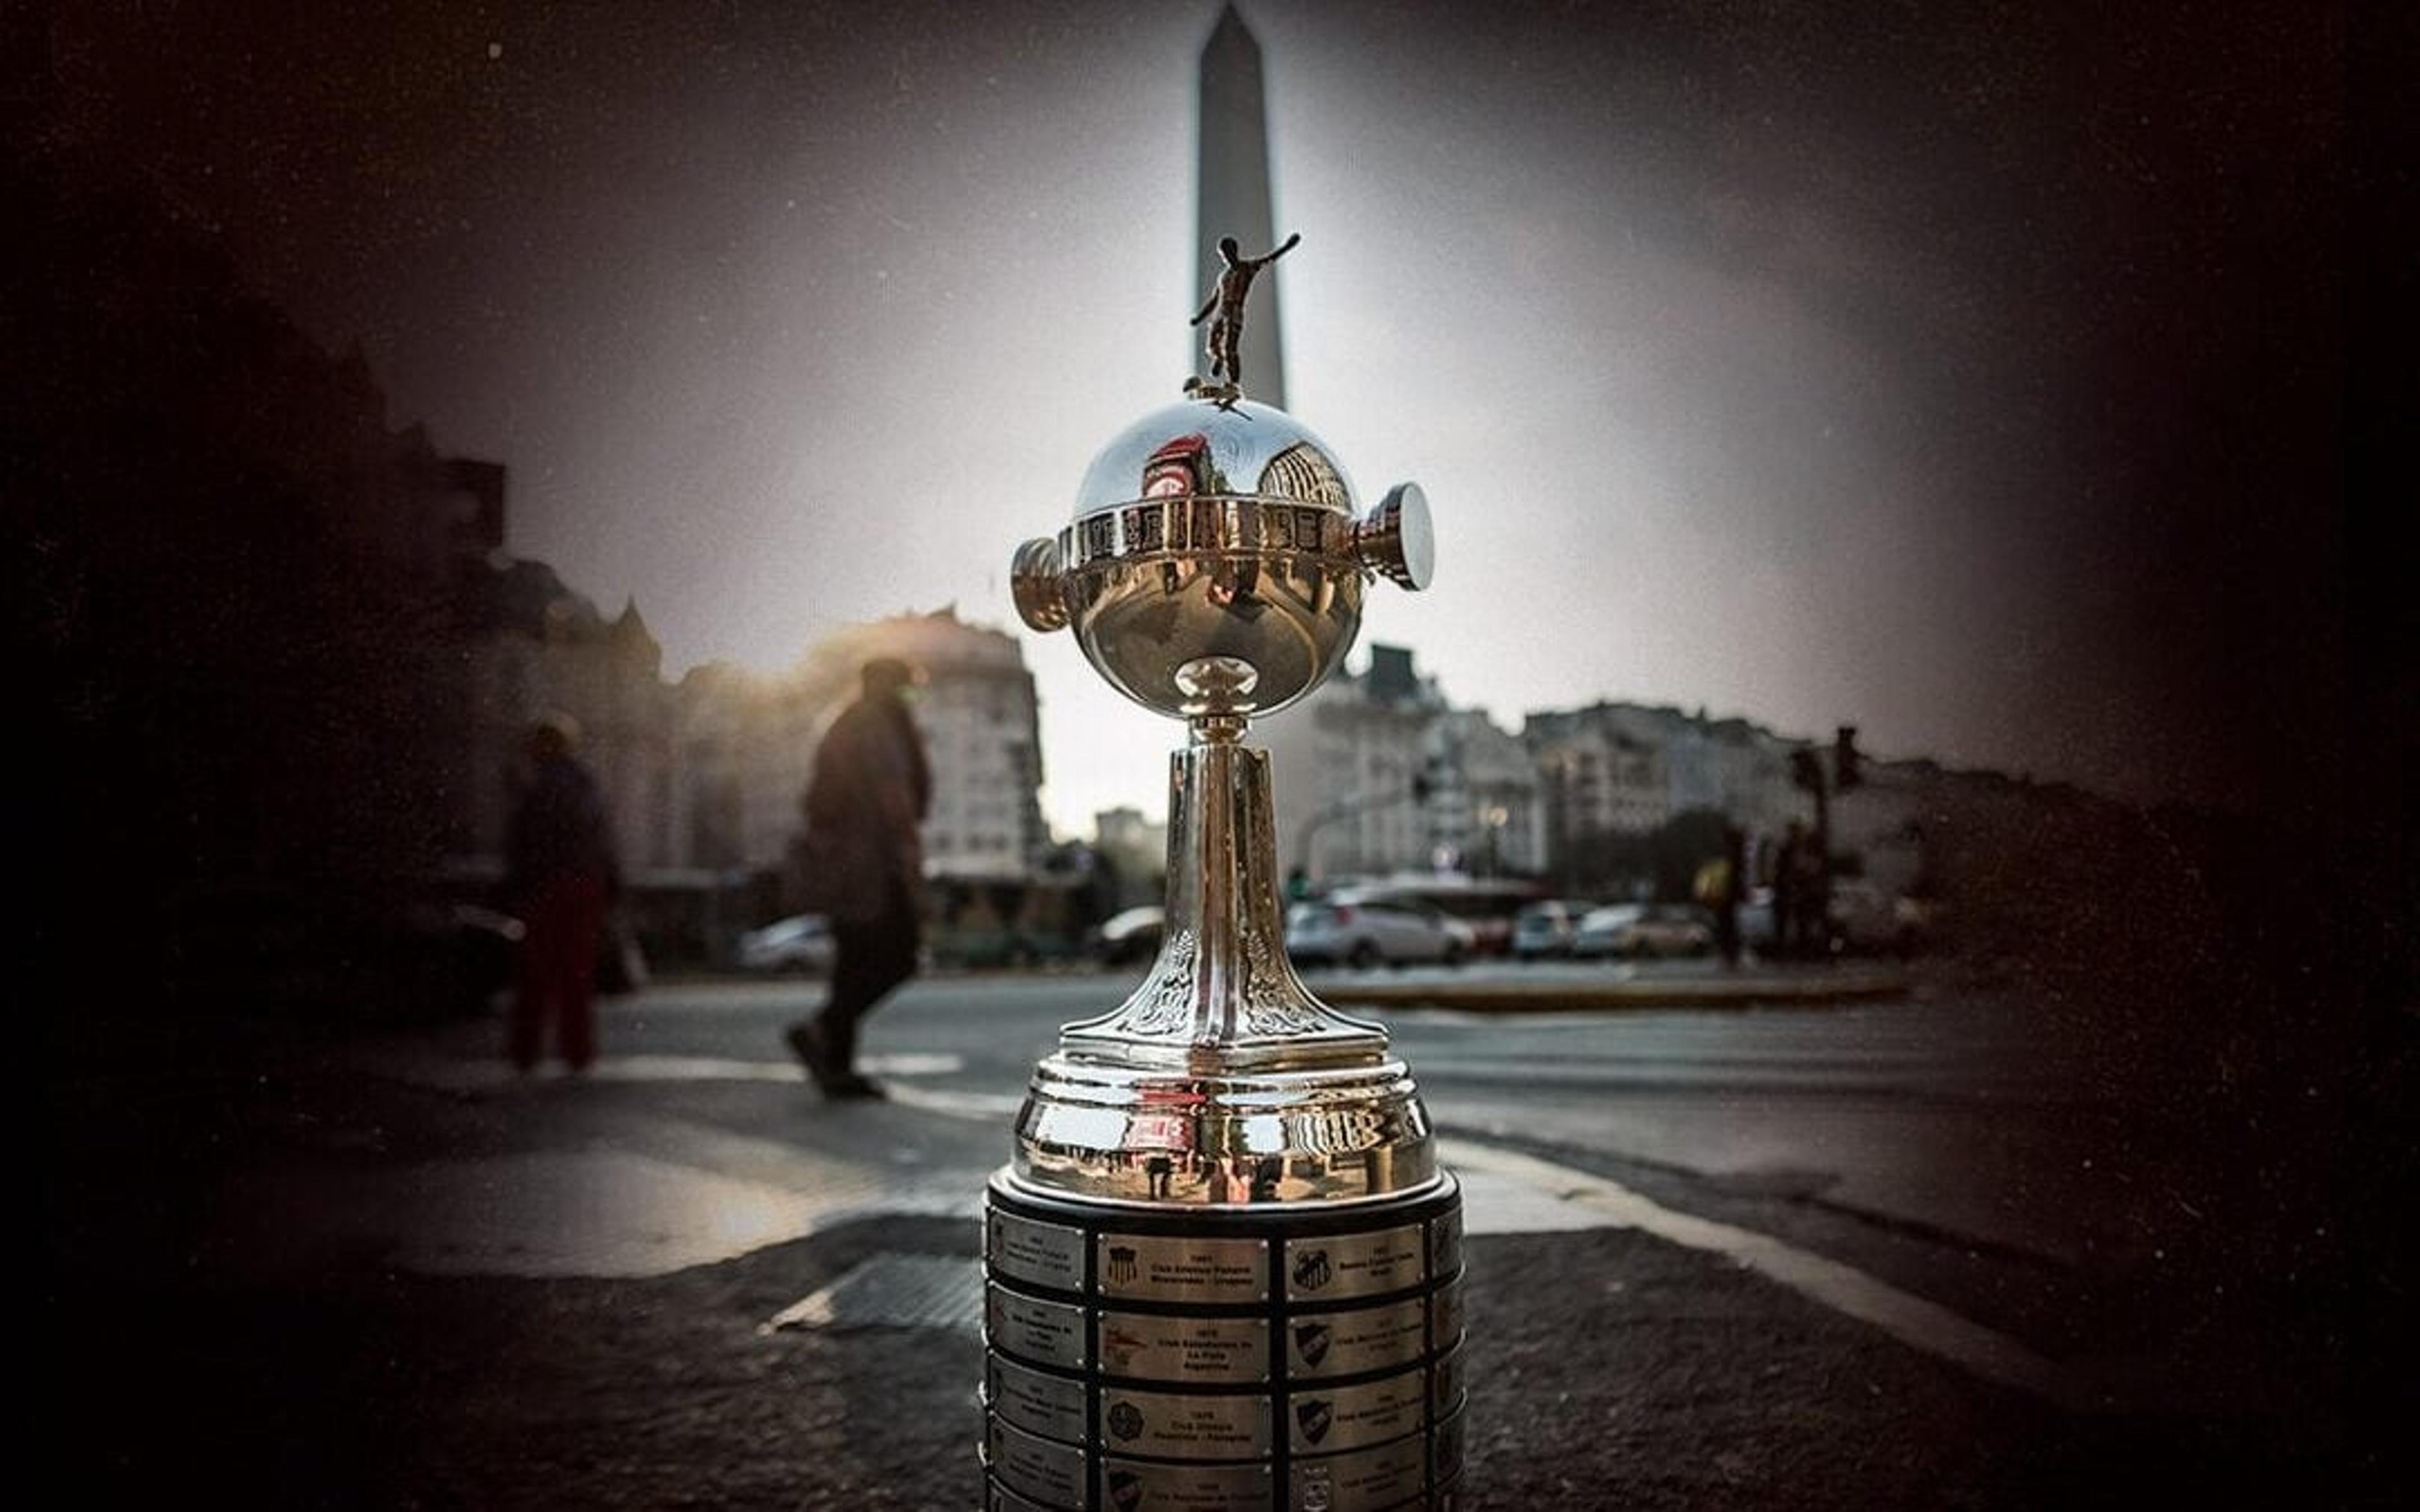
{"x": 1364, "y": 930}
{"x": 802, "y": 942}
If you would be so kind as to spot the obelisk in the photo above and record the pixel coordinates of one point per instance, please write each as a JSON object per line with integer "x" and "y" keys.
{"x": 1233, "y": 197}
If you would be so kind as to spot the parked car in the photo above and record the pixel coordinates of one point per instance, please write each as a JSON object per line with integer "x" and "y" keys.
{"x": 988, "y": 948}
{"x": 802, "y": 942}
{"x": 1593, "y": 935}
{"x": 1129, "y": 937}
{"x": 1865, "y": 919}
{"x": 1359, "y": 929}
{"x": 1548, "y": 928}
{"x": 1650, "y": 930}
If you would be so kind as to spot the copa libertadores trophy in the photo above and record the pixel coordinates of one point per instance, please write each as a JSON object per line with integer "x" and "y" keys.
{"x": 1223, "y": 1267}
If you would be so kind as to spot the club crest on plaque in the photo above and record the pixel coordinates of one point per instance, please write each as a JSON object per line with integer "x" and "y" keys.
{"x": 1315, "y": 1417}
{"x": 1122, "y": 1264}
{"x": 1312, "y": 1272}
{"x": 1118, "y": 1346}
{"x": 1310, "y": 1341}
{"x": 1125, "y": 1491}
{"x": 1126, "y": 1421}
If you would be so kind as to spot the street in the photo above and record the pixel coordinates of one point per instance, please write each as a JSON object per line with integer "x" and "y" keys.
{"x": 1869, "y": 1254}
{"x": 1922, "y": 1183}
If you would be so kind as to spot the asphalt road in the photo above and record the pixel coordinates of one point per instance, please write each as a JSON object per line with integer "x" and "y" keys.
{"x": 1942, "y": 1251}
{"x": 1955, "y": 1144}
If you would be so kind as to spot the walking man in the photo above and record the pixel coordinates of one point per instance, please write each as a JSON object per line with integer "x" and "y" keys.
{"x": 864, "y": 862}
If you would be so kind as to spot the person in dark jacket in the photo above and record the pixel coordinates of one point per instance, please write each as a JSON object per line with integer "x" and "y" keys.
{"x": 560, "y": 877}
{"x": 864, "y": 807}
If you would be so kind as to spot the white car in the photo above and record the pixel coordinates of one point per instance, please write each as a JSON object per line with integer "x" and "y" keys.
{"x": 1363, "y": 930}
{"x": 802, "y": 942}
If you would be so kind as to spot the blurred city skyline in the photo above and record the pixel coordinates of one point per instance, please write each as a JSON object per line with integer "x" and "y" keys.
{"x": 1964, "y": 380}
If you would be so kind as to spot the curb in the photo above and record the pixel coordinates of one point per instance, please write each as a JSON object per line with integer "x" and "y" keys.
{"x": 1567, "y": 996}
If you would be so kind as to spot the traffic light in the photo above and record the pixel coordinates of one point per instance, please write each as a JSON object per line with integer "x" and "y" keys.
{"x": 1844, "y": 758}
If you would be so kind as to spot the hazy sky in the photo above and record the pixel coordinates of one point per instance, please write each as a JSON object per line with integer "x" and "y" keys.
{"x": 1967, "y": 378}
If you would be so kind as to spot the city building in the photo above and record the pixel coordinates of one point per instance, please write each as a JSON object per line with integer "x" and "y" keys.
{"x": 980, "y": 724}
{"x": 1136, "y": 851}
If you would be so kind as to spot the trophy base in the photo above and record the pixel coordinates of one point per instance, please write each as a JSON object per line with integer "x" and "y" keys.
{"x": 1301, "y": 1357}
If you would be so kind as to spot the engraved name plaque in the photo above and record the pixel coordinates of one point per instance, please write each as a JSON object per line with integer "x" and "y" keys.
{"x": 1347, "y": 1417}
{"x": 1038, "y": 1403}
{"x": 1444, "y": 1313}
{"x": 1356, "y": 1265}
{"x": 1193, "y": 1349}
{"x": 1046, "y": 1333}
{"x": 1444, "y": 1244}
{"x": 1126, "y": 1483}
{"x": 1047, "y": 1255}
{"x": 1052, "y": 1473}
{"x": 1353, "y": 1340}
{"x": 1366, "y": 1480}
{"x": 1182, "y": 1268}
{"x": 1175, "y": 1427}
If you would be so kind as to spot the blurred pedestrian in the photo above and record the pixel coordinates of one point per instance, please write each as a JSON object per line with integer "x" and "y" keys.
{"x": 864, "y": 862}
{"x": 1807, "y": 870}
{"x": 561, "y": 875}
{"x": 1729, "y": 887}
{"x": 1785, "y": 888}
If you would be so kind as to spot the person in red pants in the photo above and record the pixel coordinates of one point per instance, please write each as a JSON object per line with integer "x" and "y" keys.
{"x": 560, "y": 876}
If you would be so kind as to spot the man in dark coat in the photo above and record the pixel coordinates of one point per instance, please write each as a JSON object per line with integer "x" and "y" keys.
{"x": 870, "y": 793}
{"x": 560, "y": 877}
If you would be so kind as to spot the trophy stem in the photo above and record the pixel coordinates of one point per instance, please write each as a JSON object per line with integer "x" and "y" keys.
{"x": 1223, "y": 998}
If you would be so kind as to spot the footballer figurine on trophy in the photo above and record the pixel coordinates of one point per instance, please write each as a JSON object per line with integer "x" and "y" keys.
{"x": 1223, "y": 1268}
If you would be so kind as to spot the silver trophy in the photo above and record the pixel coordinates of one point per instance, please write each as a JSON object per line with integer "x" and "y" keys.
{"x": 1223, "y": 1268}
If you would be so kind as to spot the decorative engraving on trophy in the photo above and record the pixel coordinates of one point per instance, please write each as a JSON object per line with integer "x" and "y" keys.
{"x": 1047, "y": 1255}
{"x": 1356, "y": 1265}
{"x": 1273, "y": 1004}
{"x": 1445, "y": 1383}
{"x": 1040, "y": 1468}
{"x": 1209, "y": 524}
{"x": 1207, "y": 1350}
{"x": 1178, "y": 1427}
{"x": 1347, "y": 1417}
{"x": 1445, "y": 1242}
{"x": 1350, "y": 1342}
{"x": 1100, "y": 537}
{"x": 1165, "y": 1001}
{"x": 1445, "y": 1314}
{"x": 1363, "y": 1481}
{"x": 1046, "y": 1333}
{"x": 1049, "y": 1405}
{"x": 1128, "y": 1487}
{"x": 1145, "y": 529}
{"x": 1309, "y": 530}
{"x": 1183, "y": 1268}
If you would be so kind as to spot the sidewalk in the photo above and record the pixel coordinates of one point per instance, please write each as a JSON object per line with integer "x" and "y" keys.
{"x": 1619, "y": 1358}
{"x": 1548, "y": 987}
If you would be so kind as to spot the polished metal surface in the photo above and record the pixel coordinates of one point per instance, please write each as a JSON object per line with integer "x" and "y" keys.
{"x": 1213, "y": 569}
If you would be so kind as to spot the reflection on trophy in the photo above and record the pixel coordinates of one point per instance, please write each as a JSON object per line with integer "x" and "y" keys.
{"x": 1223, "y": 1268}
